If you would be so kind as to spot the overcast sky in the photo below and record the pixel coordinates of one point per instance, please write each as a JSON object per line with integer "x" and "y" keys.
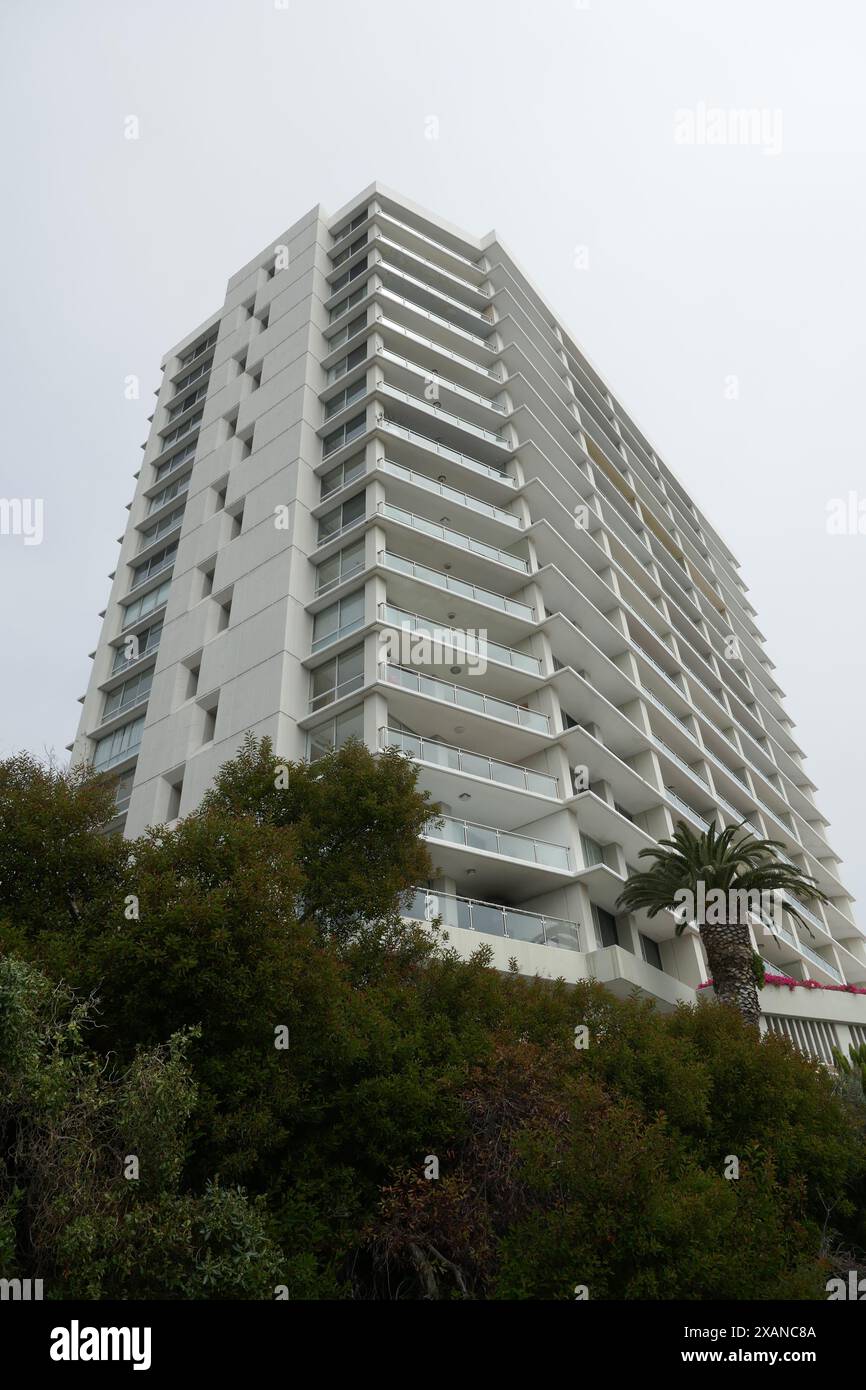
{"x": 719, "y": 287}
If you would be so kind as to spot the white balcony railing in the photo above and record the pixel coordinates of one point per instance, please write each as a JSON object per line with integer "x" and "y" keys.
{"x": 445, "y": 451}
{"x": 493, "y": 919}
{"x": 447, "y": 535}
{"x": 450, "y": 494}
{"x": 476, "y": 648}
{"x": 508, "y": 844}
{"x": 464, "y": 698}
{"x": 453, "y": 585}
{"x": 437, "y": 754}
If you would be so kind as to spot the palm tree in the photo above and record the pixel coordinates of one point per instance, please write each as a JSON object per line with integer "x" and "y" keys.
{"x": 695, "y": 865}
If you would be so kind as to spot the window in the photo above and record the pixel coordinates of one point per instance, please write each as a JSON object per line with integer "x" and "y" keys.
{"x": 338, "y": 677}
{"x": 348, "y": 363}
{"x": 187, "y": 403}
{"x": 207, "y": 575}
{"x": 195, "y": 375}
{"x": 158, "y": 562}
{"x": 168, "y": 494}
{"x": 224, "y": 616}
{"x": 349, "y": 513}
{"x": 198, "y": 348}
{"x": 605, "y": 926}
{"x": 338, "y": 620}
{"x": 344, "y": 435}
{"x": 343, "y": 474}
{"x": 134, "y": 648}
{"x": 351, "y": 330}
{"x": 131, "y": 692}
{"x": 592, "y": 851}
{"x": 179, "y": 431}
{"x": 345, "y": 397}
{"x": 650, "y": 951}
{"x": 349, "y": 275}
{"x": 348, "y": 302}
{"x": 148, "y": 603}
{"x": 336, "y": 732}
{"x": 350, "y": 251}
{"x": 172, "y": 805}
{"x": 182, "y": 456}
{"x": 350, "y": 226}
{"x": 118, "y": 745}
{"x": 123, "y": 791}
{"x": 237, "y": 523}
{"x": 209, "y": 724}
{"x": 162, "y": 527}
{"x": 340, "y": 567}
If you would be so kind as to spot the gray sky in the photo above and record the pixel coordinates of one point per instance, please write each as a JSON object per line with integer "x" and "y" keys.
{"x": 718, "y": 287}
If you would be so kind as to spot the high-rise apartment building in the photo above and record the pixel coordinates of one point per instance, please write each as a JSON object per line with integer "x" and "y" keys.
{"x": 385, "y": 495}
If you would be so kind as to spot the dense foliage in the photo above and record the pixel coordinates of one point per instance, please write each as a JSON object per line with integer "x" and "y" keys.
{"x": 228, "y": 1067}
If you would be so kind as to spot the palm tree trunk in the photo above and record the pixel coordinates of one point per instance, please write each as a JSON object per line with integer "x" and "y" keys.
{"x": 729, "y": 956}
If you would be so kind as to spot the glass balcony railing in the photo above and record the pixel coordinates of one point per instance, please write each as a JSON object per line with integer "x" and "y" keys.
{"x": 386, "y": 389}
{"x": 487, "y": 401}
{"x": 453, "y": 585}
{"x": 684, "y": 805}
{"x": 507, "y": 844}
{"x": 493, "y": 919}
{"x": 445, "y": 451}
{"x": 435, "y": 318}
{"x": 429, "y": 750}
{"x": 450, "y": 494}
{"x": 475, "y": 647}
{"x": 438, "y": 348}
{"x": 381, "y": 240}
{"x": 387, "y": 217}
{"x": 825, "y": 965}
{"x": 464, "y": 698}
{"x": 681, "y": 762}
{"x": 451, "y": 537}
{"x": 385, "y": 267}
{"x": 806, "y": 912}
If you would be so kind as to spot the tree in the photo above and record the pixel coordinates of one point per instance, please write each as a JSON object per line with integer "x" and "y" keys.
{"x": 358, "y": 821}
{"x": 286, "y": 1067}
{"x": 739, "y": 869}
{"x": 55, "y": 866}
{"x": 93, "y": 1157}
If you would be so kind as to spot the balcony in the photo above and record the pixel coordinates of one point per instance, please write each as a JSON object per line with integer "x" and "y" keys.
{"x": 416, "y": 369}
{"x": 452, "y": 585}
{"x": 427, "y": 245}
{"x": 505, "y": 844}
{"x": 454, "y": 311}
{"x": 432, "y": 353}
{"x": 473, "y": 701}
{"x": 684, "y": 806}
{"x": 445, "y": 535}
{"x": 445, "y": 755}
{"x": 476, "y": 649}
{"x": 473, "y": 914}
{"x": 415, "y": 310}
{"x": 449, "y": 494}
{"x": 446, "y": 419}
{"x": 396, "y": 252}
{"x": 429, "y": 445}
{"x": 821, "y": 963}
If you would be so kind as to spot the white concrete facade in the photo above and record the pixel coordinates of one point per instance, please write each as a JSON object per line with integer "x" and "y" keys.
{"x": 385, "y": 494}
